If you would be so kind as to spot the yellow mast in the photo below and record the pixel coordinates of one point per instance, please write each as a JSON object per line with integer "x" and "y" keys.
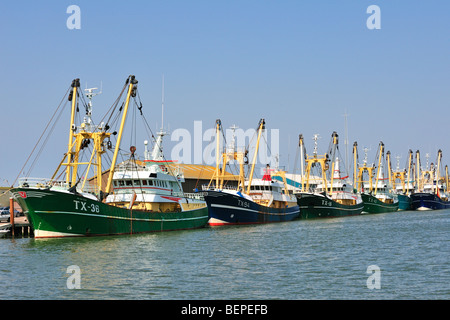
{"x": 390, "y": 175}
{"x": 229, "y": 156}
{"x": 132, "y": 85}
{"x": 302, "y": 158}
{"x": 219, "y": 174}
{"x": 381, "y": 150}
{"x": 418, "y": 171}
{"x": 398, "y": 174}
{"x": 355, "y": 163}
{"x": 410, "y": 155}
{"x": 218, "y": 123}
{"x": 79, "y": 138}
{"x": 437, "y": 170}
{"x": 310, "y": 161}
{"x": 334, "y": 137}
{"x": 72, "y": 97}
{"x": 361, "y": 171}
{"x": 282, "y": 174}
{"x": 446, "y": 178}
{"x": 261, "y": 127}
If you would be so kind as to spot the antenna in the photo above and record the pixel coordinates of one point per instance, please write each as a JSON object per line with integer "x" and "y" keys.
{"x": 346, "y": 141}
{"x": 89, "y": 92}
{"x": 366, "y": 149}
{"x": 398, "y": 157}
{"x": 162, "y": 106}
{"x": 157, "y": 152}
{"x": 233, "y": 139}
{"x": 315, "y": 138}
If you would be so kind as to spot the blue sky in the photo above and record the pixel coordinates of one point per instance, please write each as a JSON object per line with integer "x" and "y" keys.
{"x": 299, "y": 64}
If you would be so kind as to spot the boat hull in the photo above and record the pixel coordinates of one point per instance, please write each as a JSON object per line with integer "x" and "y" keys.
{"x": 404, "y": 202}
{"x": 428, "y": 201}
{"x": 63, "y": 214}
{"x": 374, "y": 205}
{"x": 230, "y": 209}
{"x": 314, "y": 206}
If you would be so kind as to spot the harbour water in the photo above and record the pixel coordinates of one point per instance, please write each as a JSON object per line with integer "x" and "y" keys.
{"x": 302, "y": 259}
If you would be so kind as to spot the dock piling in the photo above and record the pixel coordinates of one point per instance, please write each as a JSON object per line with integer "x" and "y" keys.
{"x": 11, "y": 214}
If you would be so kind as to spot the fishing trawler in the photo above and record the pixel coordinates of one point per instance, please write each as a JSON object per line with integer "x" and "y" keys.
{"x": 333, "y": 197}
{"x": 252, "y": 201}
{"x": 378, "y": 197}
{"x": 431, "y": 188}
{"x": 405, "y": 185}
{"x": 135, "y": 199}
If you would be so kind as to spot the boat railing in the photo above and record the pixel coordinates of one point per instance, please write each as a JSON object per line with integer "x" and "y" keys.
{"x": 42, "y": 183}
{"x": 195, "y": 195}
{"x": 190, "y": 195}
{"x": 127, "y": 197}
{"x": 206, "y": 187}
{"x": 45, "y": 183}
{"x": 129, "y": 166}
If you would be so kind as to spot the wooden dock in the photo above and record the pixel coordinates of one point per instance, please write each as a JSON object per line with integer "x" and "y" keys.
{"x": 22, "y": 227}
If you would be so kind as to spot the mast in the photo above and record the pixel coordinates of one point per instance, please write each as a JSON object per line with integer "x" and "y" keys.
{"x": 355, "y": 163}
{"x": 418, "y": 171}
{"x": 79, "y": 138}
{"x": 230, "y": 154}
{"x": 218, "y": 125}
{"x": 132, "y": 86}
{"x": 302, "y": 158}
{"x": 379, "y": 165}
{"x": 446, "y": 178}
{"x": 157, "y": 151}
{"x": 361, "y": 171}
{"x": 162, "y": 104}
{"x": 261, "y": 127}
{"x": 334, "y": 137}
{"x": 311, "y": 160}
{"x": 437, "y": 170}
{"x": 410, "y": 156}
{"x": 72, "y": 97}
{"x": 234, "y": 154}
{"x": 346, "y": 142}
{"x": 391, "y": 177}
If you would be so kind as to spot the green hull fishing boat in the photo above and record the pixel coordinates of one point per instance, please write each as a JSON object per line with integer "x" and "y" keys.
{"x": 375, "y": 205}
{"x": 313, "y": 206}
{"x": 55, "y": 213}
{"x": 404, "y": 202}
{"x": 333, "y": 196}
{"x": 138, "y": 196}
{"x": 378, "y": 196}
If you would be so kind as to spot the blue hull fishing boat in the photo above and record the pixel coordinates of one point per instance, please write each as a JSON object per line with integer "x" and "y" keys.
{"x": 431, "y": 193}
{"x": 252, "y": 201}
{"x": 428, "y": 201}
{"x": 227, "y": 208}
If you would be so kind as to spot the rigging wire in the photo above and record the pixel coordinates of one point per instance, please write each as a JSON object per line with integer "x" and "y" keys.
{"x": 37, "y": 143}
{"x": 41, "y": 149}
